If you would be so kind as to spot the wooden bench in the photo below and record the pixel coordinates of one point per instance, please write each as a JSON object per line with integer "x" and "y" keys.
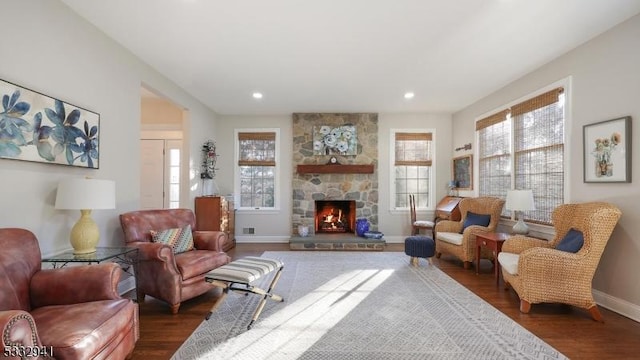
{"x": 238, "y": 276}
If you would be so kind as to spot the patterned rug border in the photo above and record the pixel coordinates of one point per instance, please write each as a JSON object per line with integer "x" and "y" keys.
{"x": 411, "y": 313}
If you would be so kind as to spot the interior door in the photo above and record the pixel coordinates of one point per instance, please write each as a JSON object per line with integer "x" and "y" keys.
{"x": 152, "y": 176}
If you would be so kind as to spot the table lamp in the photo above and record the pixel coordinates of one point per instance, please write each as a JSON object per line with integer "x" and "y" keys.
{"x": 520, "y": 200}
{"x": 85, "y": 195}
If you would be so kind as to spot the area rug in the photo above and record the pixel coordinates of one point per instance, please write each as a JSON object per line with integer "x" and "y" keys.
{"x": 362, "y": 305}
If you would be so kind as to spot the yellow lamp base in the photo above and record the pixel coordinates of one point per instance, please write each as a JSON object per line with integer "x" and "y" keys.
{"x": 84, "y": 234}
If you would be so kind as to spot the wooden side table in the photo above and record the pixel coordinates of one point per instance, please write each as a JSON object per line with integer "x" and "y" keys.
{"x": 493, "y": 241}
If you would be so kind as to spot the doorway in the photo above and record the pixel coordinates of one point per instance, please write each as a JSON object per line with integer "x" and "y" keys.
{"x": 163, "y": 170}
{"x": 160, "y": 169}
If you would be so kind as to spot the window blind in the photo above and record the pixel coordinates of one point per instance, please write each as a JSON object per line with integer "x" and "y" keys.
{"x": 539, "y": 152}
{"x": 413, "y": 149}
{"x": 257, "y": 148}
{"x": 522, "y": 147}
{"x": 494, "y": 152}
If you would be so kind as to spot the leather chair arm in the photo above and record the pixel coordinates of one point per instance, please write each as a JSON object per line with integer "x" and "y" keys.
{"x": 209, "y": 240}
{"x": 18, "y": 334}
{"x": 150, "y": 251}
{"x": 75, "y": 284}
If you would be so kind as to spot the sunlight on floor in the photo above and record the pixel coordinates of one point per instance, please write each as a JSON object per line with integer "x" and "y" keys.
{"x": 296, "y": 327}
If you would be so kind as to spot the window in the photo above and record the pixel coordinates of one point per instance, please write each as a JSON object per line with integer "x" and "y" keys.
{"x": 174, "y": 178}
{"x": 257, "y": 153}
{"x": 412, "y": 168}
{"x": 522, "y": 147}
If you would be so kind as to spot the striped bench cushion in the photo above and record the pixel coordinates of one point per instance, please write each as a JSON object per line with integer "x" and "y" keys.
{"x": 244, "y": 270}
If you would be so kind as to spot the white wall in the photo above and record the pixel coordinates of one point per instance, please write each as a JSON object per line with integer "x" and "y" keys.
{"x": 605, "y": 84}
{"x": 276, "y": 227}
{"x": 272, "y": 226}
{"x": 55, "y": 52}
{"x": 396, "y": 225}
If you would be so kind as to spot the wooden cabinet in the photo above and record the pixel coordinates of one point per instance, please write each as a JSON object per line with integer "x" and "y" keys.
{"x": 216, "y": 213}
{"x": 447, "y": 209}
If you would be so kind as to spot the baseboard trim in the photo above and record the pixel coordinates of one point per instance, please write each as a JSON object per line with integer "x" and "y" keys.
{"x": 258, "y": 239}
{"x": 395, "y": 239}
{"x": 622, "y": 307}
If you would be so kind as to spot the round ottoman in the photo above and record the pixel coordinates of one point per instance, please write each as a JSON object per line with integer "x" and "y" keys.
{"x": 419, "y": 246}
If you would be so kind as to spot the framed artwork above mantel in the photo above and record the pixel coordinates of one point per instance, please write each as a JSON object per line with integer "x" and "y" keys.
{"x": 341, "y": 140}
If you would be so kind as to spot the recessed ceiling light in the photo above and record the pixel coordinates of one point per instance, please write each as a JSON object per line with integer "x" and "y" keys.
{"x": 409, "y": 95}
{"x": 257, "y": 95}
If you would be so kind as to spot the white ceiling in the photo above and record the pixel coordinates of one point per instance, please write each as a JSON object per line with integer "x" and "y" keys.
{"x": 349, "y": 55}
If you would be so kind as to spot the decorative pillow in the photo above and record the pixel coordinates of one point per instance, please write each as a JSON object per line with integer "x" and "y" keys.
{"x": 180, "y": 239}
{"x": 572, "y": 242}
{"x": 475, "y": 219}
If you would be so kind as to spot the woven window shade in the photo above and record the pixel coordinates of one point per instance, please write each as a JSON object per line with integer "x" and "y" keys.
{"x": 257, "y": 136}
{"x": 537, "y": 102}
{"x": 257, "y": 149}
{"x": 539, "y": 153}
{"x": 413, "y": 149}
{"x": 492, "y": 120}
{"x": 494, "y": 161}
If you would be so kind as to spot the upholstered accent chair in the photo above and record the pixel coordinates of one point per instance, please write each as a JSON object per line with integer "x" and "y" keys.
{"x": 163, "y": 274}
{"x": 540, "y": 272}
{"x": 458, "y": 238}
{"x": 73, "y": 312}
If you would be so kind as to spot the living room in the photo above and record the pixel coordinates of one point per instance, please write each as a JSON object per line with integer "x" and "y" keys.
{"x": 600, "y": 77}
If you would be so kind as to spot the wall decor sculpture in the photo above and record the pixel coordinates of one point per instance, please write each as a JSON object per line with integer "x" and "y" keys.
{"x": 607, "y": 151}
{"x": 340, "y": 140}
{"x": 36, "y": 127}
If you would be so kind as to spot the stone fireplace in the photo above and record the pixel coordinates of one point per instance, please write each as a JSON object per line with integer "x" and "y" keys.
{"x": 335, "y": 216}
{"x": 336, "y": 182}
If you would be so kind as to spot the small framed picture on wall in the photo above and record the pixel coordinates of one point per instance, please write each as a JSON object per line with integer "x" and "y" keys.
{"x": 463, "y": 172}
{"x": 607, "y": 151}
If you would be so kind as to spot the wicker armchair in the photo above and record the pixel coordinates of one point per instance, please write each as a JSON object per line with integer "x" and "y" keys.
{"x": 541, "y": 274}
{"x": 449, "y": 240}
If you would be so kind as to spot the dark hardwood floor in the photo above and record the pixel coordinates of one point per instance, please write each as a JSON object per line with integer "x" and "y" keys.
{"x": 569, "y": 330}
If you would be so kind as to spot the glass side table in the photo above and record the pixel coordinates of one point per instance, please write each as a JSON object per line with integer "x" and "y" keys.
{"x": 126, "y": 257}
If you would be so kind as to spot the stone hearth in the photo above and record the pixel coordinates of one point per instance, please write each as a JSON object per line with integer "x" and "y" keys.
{"x": 343, "y": 242}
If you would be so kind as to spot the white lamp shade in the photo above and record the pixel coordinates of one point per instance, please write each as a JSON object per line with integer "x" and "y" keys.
{"x": 89, "y": 194}
{"x": 520, "y": 200}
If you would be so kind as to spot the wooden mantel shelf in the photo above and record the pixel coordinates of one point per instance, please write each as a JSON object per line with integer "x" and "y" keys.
{"x": 335, "y": 169}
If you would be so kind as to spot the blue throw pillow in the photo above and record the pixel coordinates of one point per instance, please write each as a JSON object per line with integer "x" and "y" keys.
{"x": 572, "y": 242}
{"x": 475, "y": 219}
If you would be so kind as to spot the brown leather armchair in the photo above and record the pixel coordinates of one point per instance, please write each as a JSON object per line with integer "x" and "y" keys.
{"x": 170, "y": 277}
{"x": 72, "y": 312}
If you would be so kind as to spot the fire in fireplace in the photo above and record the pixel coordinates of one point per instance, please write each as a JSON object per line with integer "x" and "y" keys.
{"x": 335, "y": 216}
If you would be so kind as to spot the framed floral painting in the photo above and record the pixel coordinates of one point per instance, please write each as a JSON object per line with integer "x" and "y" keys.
{"x": 339, "y": 140}
{"x": 36, "y": 127}
{"x": 607, "y": 151}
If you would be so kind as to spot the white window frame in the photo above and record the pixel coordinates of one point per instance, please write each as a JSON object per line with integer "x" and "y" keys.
{"x": 566, "y": 85}
{"x": 392, "y": 177}
{"x": 278, "y": 175}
